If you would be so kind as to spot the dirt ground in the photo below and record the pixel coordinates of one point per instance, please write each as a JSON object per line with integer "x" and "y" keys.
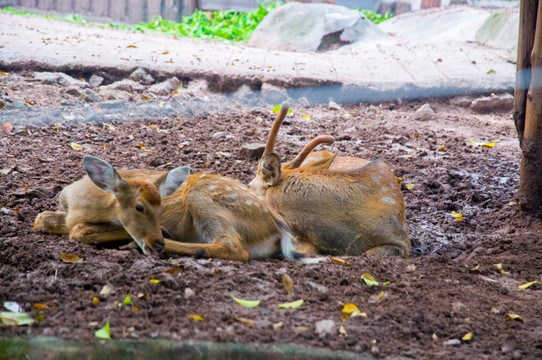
{"x": 449, "y": 287}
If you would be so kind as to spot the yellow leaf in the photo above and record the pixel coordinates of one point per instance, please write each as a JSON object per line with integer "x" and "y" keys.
{"x": 491, "y": 71}
{"x": 400, "y": 180}
{"x": 165, "y": 52}
{"x": 525, "y": 286}
{"x": 340, "y": 261}
{"x": 104, "y": 332}
{"x": 488, "y": 144}
{"x": 154, "y": 281}
{"x": 498, "y": 266}
{"x": 514, "y": 317}
{"x": 307, "y": 117}
{"x": 350, "y": 308}
{"x": 76, "y": 146}
{"x": 70, "y": 258}
{"x": 457, "y": 215}
{"x": 442, "y": 148}
{"x": 110, "y": 126}
{"x": 245, "y": 321}
{"x": 342, "y": 331}
{"x": 95, "y": 300}
{"x": 416, "y": 135}
{"x": 144, "y": 97}
{"x": 4, "y": 73}
{"x": 467, "y": 337}
{"x": 409, "y": 186}
{"x": 276, "y": 110}
{"x": 291, "y": 305}
{"x": 39, "y": 306}
{"x": 136, "y": 309}
{"x": 131, "y": 47}
{"x": 195, "y": 317}
{"x": 247, "y": 303}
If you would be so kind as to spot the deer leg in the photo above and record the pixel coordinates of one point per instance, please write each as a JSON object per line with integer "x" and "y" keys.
{"x": 96, "y": 234}
{"x": 304, "y": 246}
{"x": 52, "y": 221}
{"x": 225, "y": 247}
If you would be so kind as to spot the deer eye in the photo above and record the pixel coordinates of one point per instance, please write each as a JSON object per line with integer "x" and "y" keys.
{"x": 139, "y": 208}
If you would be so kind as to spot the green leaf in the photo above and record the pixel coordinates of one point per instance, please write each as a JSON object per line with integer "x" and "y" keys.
{"x": 104, "y": 332}
{"x": 247, "y": 303}
{"x": 127, "y": 300}
{"x": 13, "y": 318}
{"x": 276, "y": 109}
{"x": 292, "y": 305}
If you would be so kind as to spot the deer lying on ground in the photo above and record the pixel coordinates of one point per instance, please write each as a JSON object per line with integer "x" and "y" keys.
{"x": 350, "y": 211}
{"x": 214, "y": 216}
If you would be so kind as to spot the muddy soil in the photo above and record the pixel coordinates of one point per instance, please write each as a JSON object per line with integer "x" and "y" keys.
{"x": 449, "y": 287}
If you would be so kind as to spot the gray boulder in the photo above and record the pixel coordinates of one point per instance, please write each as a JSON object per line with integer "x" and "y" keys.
{"x": 311, "y": 27}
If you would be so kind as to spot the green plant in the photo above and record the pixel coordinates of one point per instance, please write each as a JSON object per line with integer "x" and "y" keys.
{"x": 374, "y": 16}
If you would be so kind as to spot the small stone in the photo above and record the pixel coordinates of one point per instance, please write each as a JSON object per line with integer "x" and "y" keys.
{"x": 461, "y": 101}
{"x": 333, "y": 106}
{"x": 243, "y": 91}
{"x": 273, "y": 94}
{"x": 109, "y": 94}
{"x": 47, "y": 78}
{"x": 318, "y": 287}
{"x": 424, "y": 113}
{"x": 197, "y": 87}
{"x": 141, "y": 76}
{"x": 495, "y": 103}
{"x": 252, "y": 151}
{"x": 452, "y": 342}
{"x": 303, "y": 101}
{"x": 324, "y": 327}
{"x": 73, "y": 90}
{"x": 189, "y": 293}
{"x": 166, "y": 87}
{"x": 375, "y": 350}
{"x": 123, "y": 85}
{"x": 95, "y": 81}
{"x": 113, "y": 104}
{"x": 458, "y": 307}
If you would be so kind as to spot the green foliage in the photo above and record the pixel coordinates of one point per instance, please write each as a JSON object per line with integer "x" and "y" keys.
{"x": 226, "y": 25}
{"x": 374, "y": 16}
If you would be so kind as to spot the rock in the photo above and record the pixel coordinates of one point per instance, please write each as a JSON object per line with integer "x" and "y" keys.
{"x": 310, "y": 27}
{"x": 47, "y": 78}
{"x": 59, "y": 78}
{"x": 303, "y": 101}
{"x": 141, "y": 76}
{"x": 452, "y": 342}
{"x": 424, "y": 113}
{"x": 494, "y": 103}
{"x": 165, "y": 87}
{"x": 461, "y": 101}
{"x": 73, "y": 90}
{"x": 273, "y": 94}
{"x": 89, "y": 96}
{"x": 334, "y": 106}
{"x": 324, "y": 327}
{"x": 189, "y": 293}
{"x": 113, "y": 104}
{"x": 95, "y": 81}
{"x": 243, "y": 91}
{"x": 109, "y": 94}
{"x": 252, "y": 151}
{"x": 197, "y": 87}
{"x": 123, "y": 85}
{"x": 319, "y": 287}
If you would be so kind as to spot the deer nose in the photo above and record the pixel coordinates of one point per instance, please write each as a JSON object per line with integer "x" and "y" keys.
{"x": 159, "y": 246}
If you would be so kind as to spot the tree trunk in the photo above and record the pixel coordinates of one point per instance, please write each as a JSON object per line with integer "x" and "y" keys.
{"x": 528, "y": 104}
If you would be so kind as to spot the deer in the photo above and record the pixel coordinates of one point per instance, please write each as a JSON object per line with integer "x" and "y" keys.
{"x": 347, "y": 211}
{"x": 203, "y": 215}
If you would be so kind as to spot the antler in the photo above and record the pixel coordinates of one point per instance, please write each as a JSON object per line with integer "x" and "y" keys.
{"x": 321, "y": 139}
{"x": 275, "y": 128}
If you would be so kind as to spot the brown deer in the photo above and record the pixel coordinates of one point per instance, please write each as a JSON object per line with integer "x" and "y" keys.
{"x": 348, "y": 211}
{"x": 213, "y": 215}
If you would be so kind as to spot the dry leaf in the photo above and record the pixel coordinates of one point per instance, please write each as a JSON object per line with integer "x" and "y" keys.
{"x": 175, "y": 271}
{"x": 71, "y": 258}
{"x": 340, "y": 261}
{"x": 475, "y": 269}
{"x": 40, "y": 306}
{"x": 154, "y": 281}
{"x": 142, "y": 296}
{"x": 277, "y": 325}
{"x": 131, "y": 46}
{"x": 525, "y": 286}
{"x": 467, "y": 337}
{"x": 288, "y": 284}
{"x": 342, "y": 331}
{"x": 434, "y": 337}
{"x": 307, "y": 117}
{"x": 292, "y": 305}
{"x": 514, "y": 317}
{"x": 106, "y": 290}
{"x": 245, "y": 321}
{"x": 95, "y": 300}
{"x": 247, "y": 303}
{"x": 442, "y": 148}
{"x": 457, "y": 215}
{"x": 76, "y": 146}
{"x": 400, "y": 180}
{"x": 195, "y": 317}
{"x": 409, "y": 186}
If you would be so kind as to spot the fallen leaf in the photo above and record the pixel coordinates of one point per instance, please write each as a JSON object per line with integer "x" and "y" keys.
{"x": 144, "y": 97}
{"x": 457, "y": 215}
{"x": 514, "y": 317}
{"x": 307, "y": 117}
{"x": 127, "y": 300}
{"x": 409, "y": 186}
{"x": 4, "y": 73}
{"x": 475, "y": 269}
{"x": 8, "y": 127}
{"x": 301, "y": 329}
{"x": 291, "y": 305}
{"x": 15, "y": 318}
{"x": 467, "y": 337}
{"x": 488, "y": 144}
{"x": 103, "y": 333}
{"x": 175, "y": 271}
{"x": 340, "y": 261}
{"x": 288, "y": 284}
{"x": 196, "y": 317}
{"x": 442, "y": 148}
{"x": 342, "y": 331}
{"x": 277, "y": 325}
{"x": 525, "y": 286}
{"x": 71, "y": 258}
{"x": 165, "y": 52}
{"x": 110, "y": 126}
{"x": 247, "y": 303}
{"x": 351, "y": 310}
{"x": 76, "y": 146}
{"x": 369, "y": 279}
{"x": 400, "y": 180}
{"x": 95, "y": 300}
{"x": 276, "y": 109}
{"x": 245, "y": 321}
{"x": 154, "y": 281}
{"x": 434, "y": 337}
{"x": 39, "y": 306}
{"x": 491, "y": 71}
{"x": 131, "y": 46}
{"x": 106, "y": 290}
{"x": 142, "y": 296}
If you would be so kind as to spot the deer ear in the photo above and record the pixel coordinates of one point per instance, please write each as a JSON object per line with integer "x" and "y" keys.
{"x": 170, "y": 182}
{"x": 103, "y": 174}
{"x": 270, "y": 169}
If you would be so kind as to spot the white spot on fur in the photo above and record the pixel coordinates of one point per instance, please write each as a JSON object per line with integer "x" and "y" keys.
{"x": 388, "y": 200}
{"x": 228, "y": 188}
{"x": 212, "y": 187}
{"x": 392, "y": 185}
{"x": 383, "y": 188}
{"x": 375, "y": 179}
{"x": 248, "y": 202}
{"x": 233, "y": 196}
{"x": 202, "y": 175}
